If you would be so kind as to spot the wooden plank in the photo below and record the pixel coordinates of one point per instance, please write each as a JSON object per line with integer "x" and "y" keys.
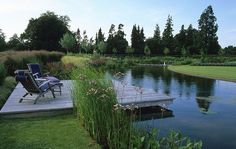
{"x": 46, "y": 105}
{"x": 128, "y": 94}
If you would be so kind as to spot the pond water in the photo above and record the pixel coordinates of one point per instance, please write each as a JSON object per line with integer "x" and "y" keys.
{"x": 203, "y": 109}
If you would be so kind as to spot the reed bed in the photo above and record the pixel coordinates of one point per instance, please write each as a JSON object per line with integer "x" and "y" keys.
{"x": 111, "y": 124}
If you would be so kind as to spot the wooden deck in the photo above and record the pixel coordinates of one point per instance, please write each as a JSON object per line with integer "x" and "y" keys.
{"x": 128, "y": 94}
{"x": 45, "y": 106}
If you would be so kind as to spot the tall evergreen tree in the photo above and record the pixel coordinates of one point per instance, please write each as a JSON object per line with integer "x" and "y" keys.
{"x": 100, "y": 36}
{"x": 110, "y": 39}
{"x": 207, "y": 32}
{"x": 120, "y": 42}
{"x": 157, "y": 33}
{"x": 142, "y": 40}
{"x": 180, "y": 39}
{"x": 134, "y": 39}
{"x": 191, "y": 42}
{"x": 167, "y": 37}
{"x": 137, "y": 40}
{"x": 78, "y": 40}
{"x": 154, "y": 43}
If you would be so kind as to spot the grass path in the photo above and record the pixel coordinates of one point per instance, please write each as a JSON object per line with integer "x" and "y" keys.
{"x": 214, "y": 72}
{"x": 36, "y": 133}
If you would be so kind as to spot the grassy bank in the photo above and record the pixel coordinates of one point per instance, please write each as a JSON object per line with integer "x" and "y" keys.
{"x": 214, "y": 72}
{"x": 44, "y": 133}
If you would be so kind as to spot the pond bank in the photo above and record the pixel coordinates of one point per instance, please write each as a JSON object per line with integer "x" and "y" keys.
{"x": 211, "y": 72}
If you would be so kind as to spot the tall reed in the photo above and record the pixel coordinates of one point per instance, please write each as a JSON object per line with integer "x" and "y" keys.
{"x": 108, "y": 122}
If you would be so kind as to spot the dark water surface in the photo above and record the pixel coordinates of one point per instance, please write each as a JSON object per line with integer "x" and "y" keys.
{"x": 204, "y": 109}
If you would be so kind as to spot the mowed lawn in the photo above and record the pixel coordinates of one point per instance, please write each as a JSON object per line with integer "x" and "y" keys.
{"x": 58, "y": 132}
{"x": 214, "y": 72}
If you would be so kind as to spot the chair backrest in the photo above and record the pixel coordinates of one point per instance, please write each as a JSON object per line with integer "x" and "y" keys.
{"x": 27, "y": 80}
{"x": 35, "y": 68}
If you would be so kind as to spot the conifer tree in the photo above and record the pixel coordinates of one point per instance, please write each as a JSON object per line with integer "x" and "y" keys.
{"x": 167, "y": 37}
{"x": 207, "y": 32}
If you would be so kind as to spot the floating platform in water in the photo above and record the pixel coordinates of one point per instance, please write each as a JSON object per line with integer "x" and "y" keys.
{"x": 129, "y": 94}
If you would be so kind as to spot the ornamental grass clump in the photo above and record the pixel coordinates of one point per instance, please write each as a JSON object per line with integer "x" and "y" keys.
{"x": 96, "y": 106}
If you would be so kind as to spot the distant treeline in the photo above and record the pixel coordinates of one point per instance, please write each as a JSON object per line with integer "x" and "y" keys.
{"x": 51, "y": 32}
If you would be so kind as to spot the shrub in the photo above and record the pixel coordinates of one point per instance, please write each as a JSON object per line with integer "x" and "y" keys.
{"x": 6, "y": 89}
{"x": 2, "y": 73}
{"x": 11, "y": 65}
{"x": 60, "y": 70}
{"x": 13, "y": 60}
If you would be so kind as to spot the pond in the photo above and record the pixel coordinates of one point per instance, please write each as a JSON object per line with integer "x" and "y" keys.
{"x": 203, "y": 109}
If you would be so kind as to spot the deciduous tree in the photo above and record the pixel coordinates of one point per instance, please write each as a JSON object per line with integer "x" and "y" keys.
{"x": 46, "y": 31}
{"x": 68, "y": 41}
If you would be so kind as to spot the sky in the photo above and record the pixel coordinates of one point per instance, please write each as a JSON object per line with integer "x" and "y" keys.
{"x": 90, "y": 15}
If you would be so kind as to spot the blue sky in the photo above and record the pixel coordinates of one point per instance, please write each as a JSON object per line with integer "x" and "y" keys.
{"x": 90, "y": 15}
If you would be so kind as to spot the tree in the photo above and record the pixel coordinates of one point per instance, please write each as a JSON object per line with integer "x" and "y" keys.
{"x": 207, "y": 32}
{"x": 85, "y": 43}
{"x": 191, "y": 41}
{"x": 154, "y": 43}
{"x": 147, "y": 50}
{"x": 137, "y": 40}
{"x": 167, "y": 36}
{"x": 99, "y": 36}
{"x": 129, "y": 50}
{"x": 120, "y": 43}
{"x": 180, "y": 39}
{"x": 101, "y": 47}
{"x": 157, "y": 34}
{"x": 184, "y": 51}
{"x": 15, "y": 43}
{"x": 110, "y": 40}
{"x": 78, "y": 39}
{"x": 68, "y": 41}
{"x": 230, "y": 50}
{"x": 166, "y": 51}
{"x": 46, "y": 31}
{"x": 2, "y": 41}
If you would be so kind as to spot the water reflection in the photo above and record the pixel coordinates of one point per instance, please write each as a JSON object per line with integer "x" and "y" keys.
{"x": 202, "y": 106}
{"x": 151, "y": 113}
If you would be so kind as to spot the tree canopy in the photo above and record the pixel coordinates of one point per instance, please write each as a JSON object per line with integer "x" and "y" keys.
{"x": 46, "y": 31}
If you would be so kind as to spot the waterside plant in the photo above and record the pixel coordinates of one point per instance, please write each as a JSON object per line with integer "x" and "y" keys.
{"x": 109, "y": 122}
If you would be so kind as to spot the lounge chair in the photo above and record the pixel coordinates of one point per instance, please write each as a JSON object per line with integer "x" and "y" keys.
{"x": 37, "y": 73}
{"x": 32, "y": 86}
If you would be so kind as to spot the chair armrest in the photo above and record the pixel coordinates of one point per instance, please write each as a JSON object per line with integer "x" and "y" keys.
{"x": 36, "y": 75}
{"x": 46, "y": 74}
{"x": 46, "y": 82}
{"x": 41, "y": 79}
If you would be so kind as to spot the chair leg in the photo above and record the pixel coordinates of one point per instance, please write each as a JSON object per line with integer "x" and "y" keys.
{"x": 60, "y": 89}
{"x": 37, "y": 98}
{"x": 23, "y": 97}
{"x": 53, "y": 94}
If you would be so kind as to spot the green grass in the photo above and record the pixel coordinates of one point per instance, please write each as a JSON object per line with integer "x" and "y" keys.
{"x": 214, "y": 72}
{"x": 6, "y": 88}
{"x": 58, "y": 132}
{"x": 76, "y": 60}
